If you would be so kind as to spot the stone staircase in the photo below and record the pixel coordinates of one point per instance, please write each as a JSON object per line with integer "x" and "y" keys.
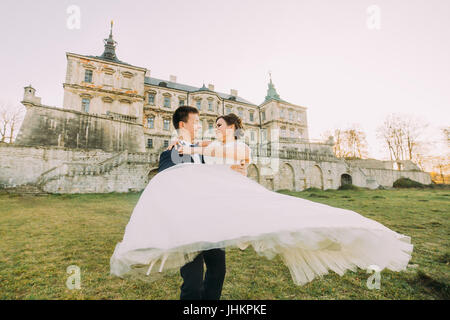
{"x": 72, "y": 169}
{"x": 82, "y": 168}
{"x": 25, "y": 189}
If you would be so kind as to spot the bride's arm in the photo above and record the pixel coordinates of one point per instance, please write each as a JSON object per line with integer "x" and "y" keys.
{"x": 203, "y": 143}
{"x": 236, "y": 151}
{"x": 204, "y": 150}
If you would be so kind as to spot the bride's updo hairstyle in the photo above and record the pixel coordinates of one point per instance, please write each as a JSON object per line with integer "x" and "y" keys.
{"x": 230, "y": 119}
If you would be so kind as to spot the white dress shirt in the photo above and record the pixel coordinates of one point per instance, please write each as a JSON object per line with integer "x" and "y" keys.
{"x": 195, "y": 156}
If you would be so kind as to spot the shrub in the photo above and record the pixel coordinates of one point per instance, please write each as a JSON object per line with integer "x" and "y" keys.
{"x": 313, "y": 190}
{"x": 348, "y": 187}
{"x": 408, "y": 183}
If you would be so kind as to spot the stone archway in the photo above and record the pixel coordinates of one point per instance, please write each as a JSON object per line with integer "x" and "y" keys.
{"x": 346, "y": 179}
{"x": 253, "y": 173}
{"x": 269, "y": 184}
{"x": 314, "y": 177}
{"x": 287, "y": 177}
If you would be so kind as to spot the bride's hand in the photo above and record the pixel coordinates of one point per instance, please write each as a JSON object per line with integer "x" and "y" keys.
{"x": 241, "y": 168}
{"x": 204, "y": 143}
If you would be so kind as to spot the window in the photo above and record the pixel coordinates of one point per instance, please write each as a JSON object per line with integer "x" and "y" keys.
{"x": 151, "y": 122}
{"x": 149, "y": 143}
{"x": 166, "y": 143}
{"x": 199, "y": 104}
{"x": 283, "y": 131}
{"x": 167, "y": 102}
{"x": 85, "y": 104}
{"x": 88, "y": 76}
{"x": 210, "y": 126}
{"x": 181, "y": 103}
{"x": 166, "y": 124}
{"x": 240, "y": 113}
{"x": 251, "y": 116}
{"x": 252, "y": 135}
{"x": 263, "y": 115}
{"x": 291, "y": 115}
{"x": 281, "y": 113}
{"x": 151, "y": 98}
{"x": 292, "y": 133}
{"x": 108, "y": 79}
{"x": 210, "y": 105}
{"x": 228, "y": 110}
{"x": 299, "y": 117}
{"x": 264, "y": 135}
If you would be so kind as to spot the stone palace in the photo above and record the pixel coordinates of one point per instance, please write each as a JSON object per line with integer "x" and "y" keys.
{"x": 116, "y": 120}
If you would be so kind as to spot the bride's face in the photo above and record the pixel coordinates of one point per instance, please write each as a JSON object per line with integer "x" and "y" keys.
{"x": 223, "y": 130}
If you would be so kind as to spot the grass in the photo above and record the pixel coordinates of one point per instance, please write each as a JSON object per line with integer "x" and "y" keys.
{"x": 41, "y": 236}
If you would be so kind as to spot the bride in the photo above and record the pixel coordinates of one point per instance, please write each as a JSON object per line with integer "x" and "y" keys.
{"x": 217, "y": 206}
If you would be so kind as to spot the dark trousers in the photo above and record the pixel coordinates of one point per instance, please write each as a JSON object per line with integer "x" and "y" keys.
{"x": 194, "y": 287}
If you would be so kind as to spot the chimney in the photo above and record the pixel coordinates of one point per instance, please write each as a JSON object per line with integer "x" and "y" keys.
{"x": 234, "y": 92}
{"x": 173, "y": 78}
{"x": 147, "y": 73}
{"x": 211, "y": 87}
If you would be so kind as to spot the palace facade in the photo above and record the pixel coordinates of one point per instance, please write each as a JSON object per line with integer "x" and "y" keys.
{"x": 117, "y": 119}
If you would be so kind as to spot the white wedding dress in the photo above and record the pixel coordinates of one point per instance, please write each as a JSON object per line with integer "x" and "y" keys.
{"x": 192, "y": 207}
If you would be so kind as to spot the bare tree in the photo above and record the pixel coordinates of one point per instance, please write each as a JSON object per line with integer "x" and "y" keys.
{"x": 349, "y": 143}
{"x": 356, "y": 142}
{"x": 439, "y": 167}
{"x": 403, "y": 137}
{"x": 446, "y": 134}
{"x": 11, "y": 117}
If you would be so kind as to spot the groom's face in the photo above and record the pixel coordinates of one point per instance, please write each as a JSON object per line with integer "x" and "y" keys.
{"x": 192, "y": 125}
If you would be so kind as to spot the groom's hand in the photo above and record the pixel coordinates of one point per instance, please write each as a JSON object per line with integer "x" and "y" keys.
{"x": 185, "y": 149}
{"x": 173, "y": 144}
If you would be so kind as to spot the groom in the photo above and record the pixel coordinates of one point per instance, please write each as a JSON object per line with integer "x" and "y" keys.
{"x": 194, "y": 287}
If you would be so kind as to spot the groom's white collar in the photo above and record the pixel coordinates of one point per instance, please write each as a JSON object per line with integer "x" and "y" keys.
{"x": 184, "y": 142}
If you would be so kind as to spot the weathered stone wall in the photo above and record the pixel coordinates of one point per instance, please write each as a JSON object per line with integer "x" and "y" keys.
{"x": 62, "y": 170}
{"x": 295, "y": 174}
{"x": 20, "y": 165}
{"x": 125, "y": 178}
{"x": 386, "y": 177}
{"x": 50, "y": 126}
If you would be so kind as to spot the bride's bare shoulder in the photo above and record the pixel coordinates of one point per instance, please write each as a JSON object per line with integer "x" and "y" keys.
{"x": 242, "y": 144}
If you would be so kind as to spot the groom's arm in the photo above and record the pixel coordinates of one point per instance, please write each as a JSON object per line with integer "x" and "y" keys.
{"x": 165, "y": 161}
{"x": 169, "y": 158}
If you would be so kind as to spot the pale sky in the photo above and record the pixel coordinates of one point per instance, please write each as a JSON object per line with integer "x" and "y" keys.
{"x": 322, "y": 54}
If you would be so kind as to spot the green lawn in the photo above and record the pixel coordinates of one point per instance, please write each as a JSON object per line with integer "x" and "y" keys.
{"x": 40, "y": 236}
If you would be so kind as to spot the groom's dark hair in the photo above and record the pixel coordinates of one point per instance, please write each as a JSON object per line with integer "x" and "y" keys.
{"x": 182, "y": 114}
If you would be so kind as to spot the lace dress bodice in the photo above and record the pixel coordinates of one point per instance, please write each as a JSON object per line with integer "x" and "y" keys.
{"x": 224, "y": 161}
